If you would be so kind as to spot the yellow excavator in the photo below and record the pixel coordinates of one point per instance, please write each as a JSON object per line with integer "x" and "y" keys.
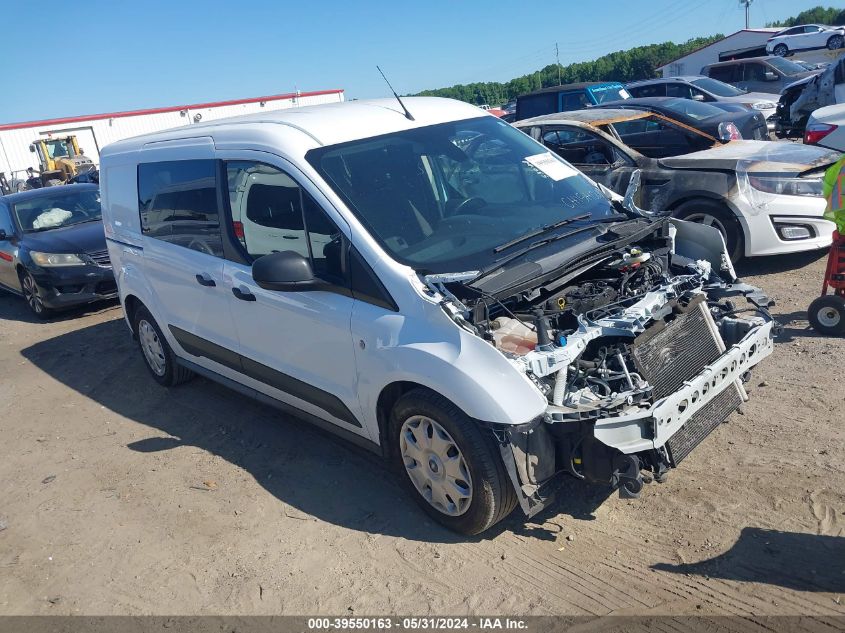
{"x": 60, "y": 161}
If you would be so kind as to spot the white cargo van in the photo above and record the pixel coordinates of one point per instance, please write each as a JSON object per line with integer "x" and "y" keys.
{"x": 434, "y": 285}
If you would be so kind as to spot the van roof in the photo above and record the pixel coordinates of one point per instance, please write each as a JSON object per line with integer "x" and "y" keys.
{"x": 325, "y": 124}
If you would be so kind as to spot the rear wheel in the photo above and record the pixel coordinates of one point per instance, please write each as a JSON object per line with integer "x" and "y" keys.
{"x": 158, "y": 355}
{"x": 451, "y": 466}
{"x": 827, "y": 315}
{"x": 835, "y": 42}
{"x": 781, "y": 50}
{"x": 32, "y": 295}
{"x": 711, "y": 213}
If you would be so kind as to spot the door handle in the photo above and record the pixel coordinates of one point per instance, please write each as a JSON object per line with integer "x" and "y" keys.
{"x": 204, "y": 279}
{"x": 243, "y": 295}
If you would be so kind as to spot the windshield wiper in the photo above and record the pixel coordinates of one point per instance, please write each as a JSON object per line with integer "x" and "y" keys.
{"x": 540, "y": 231}
{"x": 548, "y": 240}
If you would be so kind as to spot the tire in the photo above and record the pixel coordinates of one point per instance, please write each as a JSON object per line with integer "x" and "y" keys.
{"x": 158, "y": 356}
{"x": 780, "y": 50}
{"x": 835, "y": 42}
{"x": 32, "y": 295}
{"x": 472, "y": 454}
{"x": 712, "y": 213}
{"x": 827, "y": 315}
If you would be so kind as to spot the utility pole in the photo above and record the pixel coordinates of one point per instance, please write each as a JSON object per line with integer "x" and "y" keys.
{"x": 746, "y": 4}
{"x": 557, "y": 56}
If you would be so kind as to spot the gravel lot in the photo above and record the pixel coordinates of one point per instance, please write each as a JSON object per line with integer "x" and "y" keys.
{"x": 120, "y": 497}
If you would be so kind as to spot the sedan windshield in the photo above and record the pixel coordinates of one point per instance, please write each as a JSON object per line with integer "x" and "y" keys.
{"x": 718, "y": 88}
{"x": 58, "y": 208}
{"x": 786, "y": 66}
{"x": 442, "y": 198}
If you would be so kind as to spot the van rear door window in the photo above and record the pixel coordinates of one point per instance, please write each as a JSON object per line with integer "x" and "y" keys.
{"x": 178, "y": 203}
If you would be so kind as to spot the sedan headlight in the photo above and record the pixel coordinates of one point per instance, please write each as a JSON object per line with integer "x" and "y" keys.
{"x": 787, "y": 186}
{"x": 762, "y": 105}
{"x": 55, "y": 260}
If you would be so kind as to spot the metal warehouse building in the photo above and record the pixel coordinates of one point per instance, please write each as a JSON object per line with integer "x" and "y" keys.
{"x": 744, "y": 43}
{"x": 96, "y": 130}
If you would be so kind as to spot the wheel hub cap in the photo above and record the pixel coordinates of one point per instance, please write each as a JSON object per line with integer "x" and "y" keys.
{"x": 435, "y": 465}
{"x": 829, "y": 317}
{"x": 152, "y": 348}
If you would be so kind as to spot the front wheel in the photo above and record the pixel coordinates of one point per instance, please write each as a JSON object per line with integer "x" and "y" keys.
{"x": 450, "y": 465}
{"x": 827, "y": 315}
{"x": 781, "y": 50}
{"x": 835, "y": 42}
{"x": 32, "y": 295}
{"x": 711, "y": 213}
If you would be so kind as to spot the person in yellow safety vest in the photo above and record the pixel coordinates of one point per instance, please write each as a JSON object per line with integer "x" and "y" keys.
{"x": 834, "y": 192}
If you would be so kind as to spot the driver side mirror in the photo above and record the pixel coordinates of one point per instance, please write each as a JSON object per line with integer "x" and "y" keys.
{"x": 770, "y": 76}
{"x": 286, "y": 271}
{"x": 698, "y": 97}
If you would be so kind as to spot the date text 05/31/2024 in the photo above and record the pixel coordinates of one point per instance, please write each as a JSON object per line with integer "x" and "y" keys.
{"x": 415, "y": 623}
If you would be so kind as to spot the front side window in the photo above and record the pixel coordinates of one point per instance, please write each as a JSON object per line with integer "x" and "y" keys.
{"x": 178, "y": 204}
{"x": 58, "y": 208}
{"x": 272, "y": 213}
{"x": 579, "y": 147}
{"x": 754, "y": 72}
{"x": 6, "y": 221}
{"x": 679, "y": 90}
{"x": 441, "y": 198}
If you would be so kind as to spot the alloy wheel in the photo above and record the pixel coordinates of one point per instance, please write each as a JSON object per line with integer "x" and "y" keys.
{"x": 708, "y": 220}
{"x": 30, "y": 293}
{"x": 435, "y": 465}
{"x": 152, "y": 347}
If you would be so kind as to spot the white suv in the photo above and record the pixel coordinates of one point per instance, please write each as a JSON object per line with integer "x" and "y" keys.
{"x": 436, "y": 286}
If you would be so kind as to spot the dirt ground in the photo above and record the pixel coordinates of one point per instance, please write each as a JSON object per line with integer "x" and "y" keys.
{"x": 118, "y": 496}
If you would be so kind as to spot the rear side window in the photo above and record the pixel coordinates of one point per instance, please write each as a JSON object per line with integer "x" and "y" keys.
{"x": 650, "y": 90}
{"x": 728, "y": 74}
{"x": 178, "y": 203}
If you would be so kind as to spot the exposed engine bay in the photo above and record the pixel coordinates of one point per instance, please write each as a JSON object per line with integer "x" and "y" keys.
{"x": 640, "y": 355}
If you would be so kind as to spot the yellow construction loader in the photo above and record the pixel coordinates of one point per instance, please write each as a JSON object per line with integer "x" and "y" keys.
{"x": 60, "y": 160}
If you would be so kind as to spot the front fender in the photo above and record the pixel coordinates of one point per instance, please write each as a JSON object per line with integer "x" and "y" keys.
{"x": 429, "y": 349}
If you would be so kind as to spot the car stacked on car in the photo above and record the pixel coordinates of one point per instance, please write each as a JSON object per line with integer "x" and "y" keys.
{"x": 805, "y": 37}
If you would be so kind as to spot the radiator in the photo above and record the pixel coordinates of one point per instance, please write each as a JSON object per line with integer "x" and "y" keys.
{"x": 668, "y": 353}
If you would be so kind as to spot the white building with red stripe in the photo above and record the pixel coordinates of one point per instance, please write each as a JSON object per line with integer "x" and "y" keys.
{"x": 96, "y": 130}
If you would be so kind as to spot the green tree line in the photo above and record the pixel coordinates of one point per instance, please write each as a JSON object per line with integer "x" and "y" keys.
{"x": 816, "y": 15}
{"x": 635, "y": 63}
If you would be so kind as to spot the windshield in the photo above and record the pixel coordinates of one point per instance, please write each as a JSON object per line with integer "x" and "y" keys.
{"x": 787, "y": 67}
{"x": 57, "y": 148}
{"x": 441, "y": 198}
{"x": 63, "y": 208}
{"x": 718, "y": 88}
{"x": 693, "y": 109}
{"x": 612, "y": 92}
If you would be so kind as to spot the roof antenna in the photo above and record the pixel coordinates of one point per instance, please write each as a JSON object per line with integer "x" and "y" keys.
{"x": 408, "y": 115}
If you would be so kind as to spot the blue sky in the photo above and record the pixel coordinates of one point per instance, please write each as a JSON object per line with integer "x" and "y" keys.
{"x": 121, "y": 55}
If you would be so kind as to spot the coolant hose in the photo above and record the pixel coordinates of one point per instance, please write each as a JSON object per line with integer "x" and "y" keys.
{"x": 560, "y": 386}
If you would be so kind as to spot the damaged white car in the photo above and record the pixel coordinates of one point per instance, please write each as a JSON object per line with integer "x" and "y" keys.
{"x": 431, "y": 283}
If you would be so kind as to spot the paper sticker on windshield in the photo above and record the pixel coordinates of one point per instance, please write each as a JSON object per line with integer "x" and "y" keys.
{"x": 551, "y": 166}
